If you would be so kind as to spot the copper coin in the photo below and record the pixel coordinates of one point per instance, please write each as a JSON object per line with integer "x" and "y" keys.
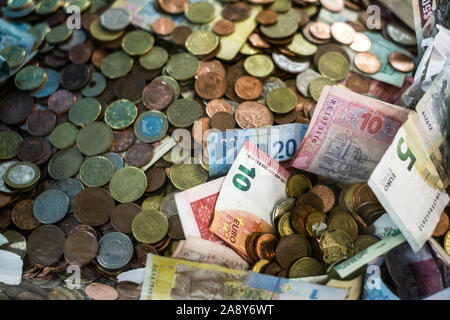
{"x": 401, "y": 62}
{"x": 80, "y": 248}
{"x": 139, "y": 259}
{"x": 320, "y": 30}
{"x": 210, "y": 85}
{"x": 291, "y": 248}
{"x": 100, "y": 291}
{"x": 258, "y": 42}
{"x": 173, "y": 6}
{"x": 87, "y": 18}
{"x": 333, "y": 5}
{"x": 180, "y": 34}
{"x": 362, "y": 194}
{"x": 93, "y": 206}
{"x": 343, "y": 32}
{"x": 223, "y": 121}
{"x": 5, "y": 218}
{"x": 251, "y": 114}
{"x": 217, "y": 105}
{"x": 129, "y": 87}
{"x": 285, "y": 118}
{"x": 98, "y": 56}
{"x": 234, "y": 72}
{"x": 61, "y": 100}
{"x": 312, "y": 199}
{"x": 23, "y": 215}
{"x": 155, "y": 178}
{"x": 15, "y": 107}
{"x": 199, "y": 129}
{"x": 367, "y": 62}
{"x": 223, "y": 27}
{"x": 248, "y": 88}
{"x": 326, "y": 195}
{"x": 266, "y": 246}
{"x": 442, "y": 226}
{"x": 40, "y": 123}
{"x": 207, "y": 66}
{"x": 352, "y": 5}
{"x": 122, "y": 216}
{"x": 358, "y": 83}
{"x": 4, "y": 201}
{"x": 163, "y": 244}
{"x": 236, "y": 11}
{"x": 45, "y": 245}
{"x": 163, "y": 26}
{"x": 139, "y": 155}
{"x": 272, "y": 268}
{"x": 298, "y": 217}
{"x": 88, "y": 229}
{"x": 267, "y": 17}
{"x": 157, "y": 95}
{"x": 128, "y": 290}
{"x": 68, "y": 223}
{"x": 80, "y": 53}
{"x": 31, "y": 149}
{"x": 122, "y": 140}
{"x": 307, "y": 33}
{"x": 75, "y": 76}
{"x": 250, "y": 245}
{"x": 176, "y": 231}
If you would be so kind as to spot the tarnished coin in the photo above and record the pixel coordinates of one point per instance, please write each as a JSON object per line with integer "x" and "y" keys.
{"x": 210, "y": 85}
{"x": 16, "y": 243}
{"x": 343, "y": 221}
{"x": 291, "y": 248}
{"x": 95, "y": 138}
{"x": 40, "y": 122}
{"x": 326, "y": 194}
{"x": 336, "y": 245}
{"x": 367, "y": 62}
{"x": 65, "y": 163}
{"x": 266, "y": 245}
{"x": 315, "y": 223}
{"x": 45, "y": 245}
{"x": 154, "y": 59}
{"x": 122, "y": 216}
{"x": 15, "y": 107}
{"x": 80, "y": 248}
{"x": 51, "y": 206}
{"x": 93, "y": 206}
{"x": 120, "y": 114}
{"x": 115, "y": 19}
{"x": 157, "y": 95}
{"x": 23, "y": 216}
{"x": 22, "y": 175}
{"x": 297, "y": 185}
{"x": 175, "y": 231}
{"x": 155, "y": 178}
{"x": 122, "y": 140}
{"x": 128, "y": 184}
{"x": 96, "y": 171}
{"x": 305, "y": 267}
{"x": 358, "y": 83}
{"x": 282, "y": 207}
{"x": 75, "y": 76}
{"x": 187, "y": 175}
{"x": 151, "y": 126}
{"x": 115, "y": 250}
{"x": 71, "y": 187}
{"x": 96, "y": 85}
{"x": 61, "y": 100}
{"x": 183, "y": 112}
{"x": 30, "y": 78}
{"x": 10, "y": 142}
{"x": 200, "y": 12}
{"x": 223, "y": 121}
{"x": 139, "y": 155}
{"x": 85, "y": 111}
{"x": 150, "y": 226}
{"x": 364, "y": 241}
{"x": 138, "y": 42}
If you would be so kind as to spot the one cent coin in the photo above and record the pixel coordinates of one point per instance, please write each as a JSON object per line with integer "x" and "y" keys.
{"x": 267, "y": 17}
{"x": 93, "y": 206}
{"x": 358, "y": 83}
{"x": 100, "y": 291}
{"x": 40, "y": 123}
{"x": 217, "y": 105}
{"x": 163, "y": 26}
{"x": 23, "y": 216}
{"x": 401, "y": 62}
{"x": 248, "y": 88}
{"x": 223, "y": 27}
{"x": 367, "y": 62}
{"x": 139, "y": 155}
{"x": 122, "y": 216}
{"x": 157, "y": 95}
{"x": 210, "y": 85}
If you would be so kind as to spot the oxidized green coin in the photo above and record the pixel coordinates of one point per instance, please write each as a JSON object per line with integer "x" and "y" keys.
{"x": 102, "y": 34}
{"x": 201, "y": 42}
{"x": 64, "y": 135}
{"x": 154, "y": 59}
{"x": 150, "y": 226}
{"x": 9, "y": 142}
{"x": 14, "y": 55}
{"x": 120, "y": 114}
{"x": 281, "y": 100}
{"x": 45, "y": 7}
{"x": 286, "y": 26}
{"x": 151, "y": 126}
{"x": 128, "y": 184}
{"x": 65, "y": 164}
{"x": 182, "y": 66}
{"x": 187, "y": 175}
{"x": 200, "y": 12}
{"x": 183, "y": 112}
{"x": 19, "y": 5}
{"x": 334, "y": 66}
{"x": 30, "y": 78}
{"x": 95, "y": 86}
{"x": 95, "y": 138}
{"x": 22, "y": 175}
{"x": 137, "y": 42}
{"x": 316, "y": 85}
{"x": 38, "y": 34}
{"x": 259, "y": 65}
{"x": 116, "y": 65}
{"x": 302, "y": 46}
{"x": 96, "y": 171}
{"x": 152, "y": 203}
{"x": 58, "y": 34}
{"x": 84, "y": 111}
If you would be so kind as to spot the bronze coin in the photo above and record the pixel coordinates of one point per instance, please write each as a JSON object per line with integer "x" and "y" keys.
{"x": 155, "y": 178}
{"x": 139, "y": 155}
{"x": 320, "y": 30}
{"x": 251, "y": 114}
{"x": 98, "y": 56}
{"x": 362, "y": 194}
{"x": 234, "y": 72}
{"x": 236, "y": 11}
{"x": 31, "y": 149}
{"x": 326, "y": 195}
{"x": 285, "y": 118}
{"x": 129, "y": 87}
{"x": 272, "y": 268}
{"x": 40, "y": 123}
{"x": 100, "y": 291}
{"x": 210, "y": 85}
{"x": 163, "y": 26}
{"x": 291, "y": 248}
{"x": 80, "y": 53}
{"x": 250, "y": 245}
{"x": 176, "y": 231}
{"x": 23, "y": 215}
{"x": 248, "y": 88}
{"x": 75, "y": 76}
{"x": 266, "y": 245}
{"x": 223, "y": 27}
{"x": 93, "y": 206}
{"x": 307, "y": 33}
{"x": 442, "y": 226}
{"x": 139, "y": 259}
{"x": 367, "y": 62}
{"x": 401, "y": 62}
{"x": 5, "y": 217}
{"x": 128, "y": 290}
{"x": 257, "y": 41}
{"x": 157, "y": 95}
{"x": 5, "y": 199}
{"x": 68, "y": 223}
{"x": 180, "y": 34}
{"x": 327, "y": 48}
{"x": 223, "y": 121}
{"x": 208, "y": 66}
{"x": 122, "y": 216}
{"x": 217, "y": 105}
{"x": 358, "y": 83}
{"x": 87, "y": 18}
{"x": 61, "y": 100}
{"x": 267, "y": 17}
{"x": 122, "y": 140}
{"x": 173, "y": 6}
{"x": 311, "y": 199}
{"x": 45, "y": 245}
{"x": 15, "y": 107}
{"x": 80, "y": 248}
{"x": 298, "y": 217}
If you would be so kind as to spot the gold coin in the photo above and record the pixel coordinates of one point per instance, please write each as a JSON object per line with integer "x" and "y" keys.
{"x": 201, "y": 42}
{"x": 297, "y": 185}
{"x": 259, "y": 265}
{"x": 315, "y": 223}
{"x": 284, "y": 225}
{"x": 150, "y": 226}
{"x": 336, "y": 245}
{"x": 128, "y": 184}
{"x": 305, "y": 267}
{"x": 259, "y": 65}
{"x": 152, "y": 203}
{"x": 137, "y": 42}
{"x": 364, "y": 241}
{"x": 344, "y": 221}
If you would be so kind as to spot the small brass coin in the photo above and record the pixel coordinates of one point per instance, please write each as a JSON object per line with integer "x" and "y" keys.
{"x": 85, "y": 111}
{"x": 128, "y": 184}
{"x": 150, "y": 226}
{"x": 96, "y": 171}
{"x": 64, "y": 135}
{"x": 316, "y": 85}
{"x": 154, "y": 59}
{"x": 10, "y": 142}
{"x": 281, "y": 100}
{"x": 259, "y": 65}
{"x": 186, "y": 176}
{"x": 297, "y": 185}
{"x": 305, "y": 267}
{"x": 120, "y": 114}
{"x": 102, "y": 34}
{"x": 334, "y": 66}
{"x": 95, "y": 138}
{"x": 14, "y": 55}
{"x": 116, "y": 65}
{"x": 182, "y": 66}
{"x": 137, "y": 42}
{"x": 202, "y": 42}
{"x": 200, "y": 12}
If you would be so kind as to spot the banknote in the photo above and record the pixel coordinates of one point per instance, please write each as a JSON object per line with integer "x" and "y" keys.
{"x": 280, "y": 142}
{"x": 176, "y": 279}
{"x": 165, "y": 145}
{"x": 374, "y": 287}
{"x": 402, "y": 9}
{"x": 10, "y": 268}
{"x": 353, "y": 286}
{"x": 200, "y": 250}
{"x": 196, "y": 209}
{"x": 348, "y": 135}
{"x": 243, "y": 207}
{"x": 406, "y": 173}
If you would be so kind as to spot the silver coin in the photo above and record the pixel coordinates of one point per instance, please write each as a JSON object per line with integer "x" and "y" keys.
{"x": 115, "y": 250}
{"x": 115, "y": 19}
{"x": 303, "y": 80}
{"x": 70, "y": 186}
{"x": 16, "y": 243}
{"x": 3, "y": 167}
{"x": 116, "y": 159}
{"x": 281, "y": 208}
{"x": 51, "y": 206}
{"x": 168, "y": 205}
{"x": 290, "y": 64}
{"x": 23, "y": 174}
{"x": 401, "y": 34}
{"x": 77, "y": 37}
